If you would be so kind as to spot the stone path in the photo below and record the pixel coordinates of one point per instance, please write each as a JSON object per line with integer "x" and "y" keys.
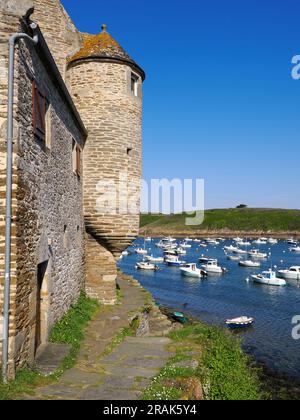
{"x": 125, "y": 372}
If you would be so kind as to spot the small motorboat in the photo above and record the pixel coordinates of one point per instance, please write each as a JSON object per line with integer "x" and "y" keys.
{"x": 125, "y": 253}
{"x": 188, "y": 240}
{"x": 191, "y": 270}
{"x": 273, "y": 241}
{"x": 204, "y": 260}
{"x": 148, "y": 239}
{"x": 295, "y": 249}
{"x": 237, "y": 239}
{"x": 244, "y": 243}
{"x": 203, "y": 245}
{"x": 180, "y": 251}
{"x": 211, "y": 241}
{"x": 178, "y": 316}
{"x": 233, "y": 257}
{"x": 230, "y": 248}
{"x": 141, "y": 251}
{"x": 197, "y": 241}
{"x": 254, "y": 253}
{"x": 152, "y": 259}
{"x": 268, "y": 278}
{"x": 185, "y": 245}
{"x": 260, "y": 242}
{"x": 212, "y": 267}
{"x": 241, "y": 322}
{"x": 291, "y": 241}
{"x": 146, "y": 266}
{"x": 249, "y": 263}
{"x": 292, "y": 273}
{"x": 174, "y": 261}
{"x": 240, "y": 251}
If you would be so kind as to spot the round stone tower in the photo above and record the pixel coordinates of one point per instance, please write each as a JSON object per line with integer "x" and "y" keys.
{"x": 106, "y": 85}
{"x": 107, "y": 88}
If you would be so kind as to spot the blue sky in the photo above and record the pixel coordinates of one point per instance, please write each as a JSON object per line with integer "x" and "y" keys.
{"x": 219, "y": 99}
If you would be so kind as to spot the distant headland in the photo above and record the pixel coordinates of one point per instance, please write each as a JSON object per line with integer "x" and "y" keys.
{"x": 250, "y": 222}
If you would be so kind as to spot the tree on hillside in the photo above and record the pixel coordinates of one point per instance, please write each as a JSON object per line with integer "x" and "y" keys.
{"x": 242, "y": 206}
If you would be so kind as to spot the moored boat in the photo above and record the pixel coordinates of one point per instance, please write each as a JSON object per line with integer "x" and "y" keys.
{"x": 174, "y": 261}
{"x": 293, "y": 273}
{"x": 141, "y": 251}
{"x": 146, "y": 266}
{"x": 191, "y": 270}
{"x": 254, "y": 253}
{"x": 241, "y": 322}
{"x": 295, "y": 249}
{"x": 268, "y": 278}
{"x": 212, "y": 267}
{"x": 152, "y": 259}
{"x": 249, "y": 263}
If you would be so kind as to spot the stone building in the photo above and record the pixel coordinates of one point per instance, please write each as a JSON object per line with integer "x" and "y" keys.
{"x": 76, "y": 167}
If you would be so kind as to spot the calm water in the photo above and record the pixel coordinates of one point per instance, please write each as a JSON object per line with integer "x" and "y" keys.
{"x": 217, "y": 298}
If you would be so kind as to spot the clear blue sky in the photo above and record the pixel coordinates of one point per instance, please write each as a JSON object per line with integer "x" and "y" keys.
{"x": 219, "y": 100}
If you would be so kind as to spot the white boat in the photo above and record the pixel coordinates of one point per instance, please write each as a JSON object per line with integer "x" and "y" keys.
{"x": 244, "y": 243}
{"x": 188, "y": 240}
{"x": 211, "y": 241}
{"x": 146, "y": 266}
{"x": 233, "y": 257}
{"x": 295, "y": 249}
{"x": 148, "y": 239}
{"x": 141, "y": 251}
{"x": 230, "y": 248}
{"x": 212, "y": 267}
{"x": 197, "y": 241}
{"x": 273, "y": 241}
{"x": 254, "y": 253}
{"x": 268, "y": 278}
{"x": 241, "y": 322}
{"x": 237, "y": 239}
{"x": 293, "y": 273}
{"x": 180, "y": 251}
{"x": 203, "y": 245}
{"x": 260, "y": 242}
{"x": 240, "y": 251}
{"x": 249, "y": 263}
{"x": 174, "y": 261}
{"x": 152, "y": 259}
{"x": 125, "y": 254}
{"x": 291, "y": 241}
{"x": 191, "y": 270}
{"x": 184, "y": 245}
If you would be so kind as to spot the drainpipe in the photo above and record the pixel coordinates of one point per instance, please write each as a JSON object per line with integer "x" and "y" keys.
{"x": 9, "y": 148}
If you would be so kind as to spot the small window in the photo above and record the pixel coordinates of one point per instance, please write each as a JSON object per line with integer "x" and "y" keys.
{"x": 76, "y": 158}
{"x": 40, "y": 106}
{"x": 48, "y": 128}
{"x": 134, "y": 84}
{"x": 129, "y": 151}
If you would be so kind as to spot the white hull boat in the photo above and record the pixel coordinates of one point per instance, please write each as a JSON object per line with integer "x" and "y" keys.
{"x": 180, "y": 251}
{"x": 273, "y": 241}
{"x": 174, "y": 261}
{"x": 191, "y": 270}
{"x": 268, "y": 278}
{"x": 260, "y": 242}
{"x": 244, "y": 243}
{"x": 292, "y": 274}
{"x": 233, "y": 257}
{"x": 256, "y": 254}
{"x": 185, "y": 246}
{"x": 212, "y": 267}
{"x": 296, "y": 249}
{"x": 141, "y": 251}
{"x": 146, "y": 266}
{"x": 230, "y": 248}
{"x": 249, "y": 264}
{"x": 152, "y": 259}
{"x": 240, "y": 251}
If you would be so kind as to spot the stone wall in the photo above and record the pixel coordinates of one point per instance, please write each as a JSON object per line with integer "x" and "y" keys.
{"x": 60, "y": 32}
{"x": 48, "y": 223}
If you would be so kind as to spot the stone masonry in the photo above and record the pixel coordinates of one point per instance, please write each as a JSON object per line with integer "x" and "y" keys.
{"x": 66, "y": 226}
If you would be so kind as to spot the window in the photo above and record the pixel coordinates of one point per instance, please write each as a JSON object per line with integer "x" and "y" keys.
{"x": 65, "y": 237}
{"x": 40, "y": 106}
{"x": 76, "y": 158}
{"x": 134, "y": 84}
{"x": 129, "y": 151}
{"x": 48, "y": 127}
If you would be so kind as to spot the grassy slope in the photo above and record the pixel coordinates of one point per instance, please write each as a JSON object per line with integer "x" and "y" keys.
{"x": 251, "y": 220}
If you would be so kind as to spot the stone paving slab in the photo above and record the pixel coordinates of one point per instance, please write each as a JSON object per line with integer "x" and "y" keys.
{"x": 125, "y": 372}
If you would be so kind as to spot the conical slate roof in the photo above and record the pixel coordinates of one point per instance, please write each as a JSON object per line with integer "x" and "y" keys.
{"x": 104, "y": 46}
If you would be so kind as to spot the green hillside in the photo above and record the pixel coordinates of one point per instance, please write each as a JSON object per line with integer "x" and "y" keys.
{"x": 248, "y": 220}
